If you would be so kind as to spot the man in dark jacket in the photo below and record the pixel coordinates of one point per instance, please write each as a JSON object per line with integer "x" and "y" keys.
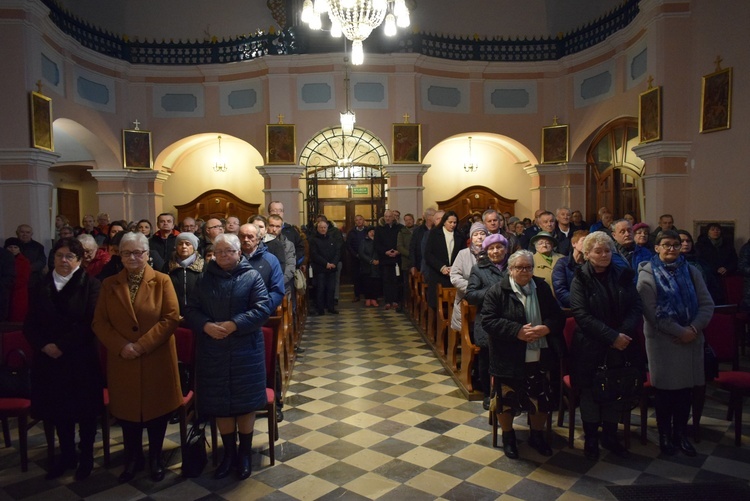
{"x": 386, "y": 243}
{"x": 163, "y": 241}
{"x": 354, "y": 240}
{"x": 325, "y": 253}
{"x": 415, "y": 246}
{"x": 263, "y": 262}
{"x": 291, "y": 233}
{"x": 34, "y": 252}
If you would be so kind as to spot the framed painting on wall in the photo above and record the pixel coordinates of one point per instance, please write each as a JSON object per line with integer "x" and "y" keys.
{"x": 41, "y": 122}
{"x": 136, "y": 149}
{"x": 407, "y": 143}
{"x": 716, "y": 101}
{"x": 555, "y": 144}
{"x": 281, "y": 146}
{"x": 649, "y": 115}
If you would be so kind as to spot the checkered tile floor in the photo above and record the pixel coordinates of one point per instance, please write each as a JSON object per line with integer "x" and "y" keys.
{"x": 372, "y": 415}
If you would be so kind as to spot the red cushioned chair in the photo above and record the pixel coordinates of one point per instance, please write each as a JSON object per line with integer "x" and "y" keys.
{"x": 19, "y": 408}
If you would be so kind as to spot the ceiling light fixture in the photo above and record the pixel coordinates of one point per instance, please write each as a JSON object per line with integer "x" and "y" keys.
{"x": 220, "y": 165}
{"x": 470, "y": 165}
{"x": 347, "y": 118}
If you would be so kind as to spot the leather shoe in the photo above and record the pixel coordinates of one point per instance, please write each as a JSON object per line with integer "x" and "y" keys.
{"x": 156, "y": 469}
{"x": 682, "y": 443}
{"x": 60, "y": 466}
{"x": 279, "y": 415}
{"x": 486, "y": 403}
{"x": 666, "y": 445}
{"x": 510, "y": 447}
{"x": 84, "y": 469}
{"x": 131, "y": 469}
{"x": 299, "y": 349}
{"x": 538, "y": 443}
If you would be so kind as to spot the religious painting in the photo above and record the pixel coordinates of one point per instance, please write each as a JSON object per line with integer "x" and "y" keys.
{"x": 649, "y": 115}
{"x": 716, "y": 101}
{"x": 281, "y": 146}
{"x": 555, "y": 144}
{"x": 136, "y": 149}
{"x": 41, "y": 122}
{"x": 407, "y": 143}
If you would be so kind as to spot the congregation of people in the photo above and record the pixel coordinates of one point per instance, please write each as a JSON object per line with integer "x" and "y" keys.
{"x": 640, "y": 296}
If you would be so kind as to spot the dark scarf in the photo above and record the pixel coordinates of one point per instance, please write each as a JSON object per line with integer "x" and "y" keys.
{"x": 675, "y": 293}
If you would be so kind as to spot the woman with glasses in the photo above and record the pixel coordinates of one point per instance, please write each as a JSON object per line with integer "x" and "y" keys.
{"x": 66, "y": 381}
{"x": 227, "y": 310}
{"x": 607, "y": 310}
{"x": 676, "y": 307}
{"x": 135, "y": 319}
{"x": 524, "y": 326}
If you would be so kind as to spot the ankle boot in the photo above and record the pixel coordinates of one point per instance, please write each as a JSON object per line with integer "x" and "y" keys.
{"x": 591, "y": 441}
{"x": 244, "y": 456}
{"x": 155, "y": 466}
{"x": 666, "y": 445}
{"x": 510, "y": 446}
{"x": 538, "y": 443}
{"x": 86, "y": 461}
{"x": 681, "y": 442}
{"x": 132, "y": 466}
{"x": 609, "y": 440}
{"x": 230, "y": 455}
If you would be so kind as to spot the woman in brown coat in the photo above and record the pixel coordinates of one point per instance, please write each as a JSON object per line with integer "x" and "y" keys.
{"x": 135, "y": 318}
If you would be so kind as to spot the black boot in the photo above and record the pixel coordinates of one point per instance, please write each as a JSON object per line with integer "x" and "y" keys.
{"x": 67, "y": 460}
{"x": 666, "y": 445}
{"x": 591, "y": 441}
{"x": 132, "y": 466}
{"x": 538, "y": 443}
{"x": 510, "y": 446}
{"x": 230, "y": 455}
{"x": 155, "y": 466}
{"x": 609, "y": 440}
{"x": 87, "y": 432}
{"x": 681, "y": 442}
{"x": 244, "y": 456}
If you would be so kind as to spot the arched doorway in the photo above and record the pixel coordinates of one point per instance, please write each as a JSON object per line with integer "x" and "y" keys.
{"x": 613, "y": 170}
{"x": 344, "y": 176}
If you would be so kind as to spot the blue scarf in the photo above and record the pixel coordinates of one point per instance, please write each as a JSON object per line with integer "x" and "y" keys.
{"x": 675, "y": 293}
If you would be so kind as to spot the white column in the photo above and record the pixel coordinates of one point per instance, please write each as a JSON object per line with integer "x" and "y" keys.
{"x": 282, "y": 184}
{"x": 405, "y": 187}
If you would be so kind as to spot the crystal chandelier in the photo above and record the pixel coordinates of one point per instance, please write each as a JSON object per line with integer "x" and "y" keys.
{"x": 470, "y": 165}
{"x": 356, "y": 19}
{"x": 220, "y": 165}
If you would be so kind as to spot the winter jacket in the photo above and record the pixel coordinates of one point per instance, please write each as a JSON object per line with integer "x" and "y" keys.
{"x": 164, "y": 247}
{"x": 366, "y": 256}
{"x": 230, "y": 372}
{"x": 460, "y": 273}
{"x": 269, "y": 268}
{"x": 483, "y": 276}
{"x": 70, "y": 386}
{"x": 603, "y": 309}
{"x": 503, "y": 315}
{"x": 562, "y": 277}
{"x": 184, "y": 279}
{"x": 324, "y": 249}
{"x": 717, "y": 257}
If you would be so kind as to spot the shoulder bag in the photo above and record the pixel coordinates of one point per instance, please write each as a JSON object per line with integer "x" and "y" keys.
{"x": 617, "y": 384}
{"x": 194, "y": 456}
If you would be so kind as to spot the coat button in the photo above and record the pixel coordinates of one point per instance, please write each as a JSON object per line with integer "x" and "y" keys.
{"x": 135, "y": 329}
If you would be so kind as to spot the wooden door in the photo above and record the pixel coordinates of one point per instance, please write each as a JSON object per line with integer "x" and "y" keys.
{"x": 218, "y": 204}
{"x": 67, "y": 205}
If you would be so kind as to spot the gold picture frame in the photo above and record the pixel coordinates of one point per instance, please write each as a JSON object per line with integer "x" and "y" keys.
{"x": 407, "y": 143}
{"x": 649, "y": 115}
{"x": 555, "y": 144}
{"x": 41, "y": 122}
{"x": 716, "y": 101}
{"x": 281, "y": 144}
{"x": 136, "y": 149}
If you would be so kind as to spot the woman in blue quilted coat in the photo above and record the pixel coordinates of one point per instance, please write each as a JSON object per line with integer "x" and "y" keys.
{"x": 227, "y": 310}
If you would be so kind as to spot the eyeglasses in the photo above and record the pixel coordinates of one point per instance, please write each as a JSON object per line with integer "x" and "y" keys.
{"x": 224, "y": 252}
{"x": 670, "y": 246}
{"x": 524, "y": 269}
{"x": 66, "y": 257}
{"x": 138, "y": 254}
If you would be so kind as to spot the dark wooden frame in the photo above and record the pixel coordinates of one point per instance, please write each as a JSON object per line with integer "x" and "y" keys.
{"x": 136, "y": 149}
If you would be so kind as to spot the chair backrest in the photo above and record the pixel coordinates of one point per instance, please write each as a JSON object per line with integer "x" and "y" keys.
{"x": 721, "y": 334}
{"x": 446, "y": 298}
{"x": 270, "y": 339}
{"x": 185, "y": 342}
{"x": 468, "y": 314}
{"x": 12, "y": 341}
{"x": 569, "y": 331}
{"x": 733, "y": 288}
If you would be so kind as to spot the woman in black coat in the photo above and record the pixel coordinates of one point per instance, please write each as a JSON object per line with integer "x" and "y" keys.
{"x": 185, "y": 267}
{"x": 443, "y": 244}
{"x": 66, "y": 381}
{"x": 226, "y": 312}
{"x": 717, "y": 251}
{"x": 607, "y": 310}
{"x": 524, "y": 326}
{"x": 369, "y": 268}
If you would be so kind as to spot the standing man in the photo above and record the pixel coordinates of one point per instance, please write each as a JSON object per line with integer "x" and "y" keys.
{"x": 34, "y": 252}
{"x": 232, "y": 225}
{"x": 189, "y": 225}
{"x": 291, "y": 233}
{"x": 262, "y": 261}
{"x": 628, "y": 254}
{"x": 325, "y": 253}
{"x": 532, "y": 230}
{"x": 163, "y": 241}
{"x": 213, "y": 229}
{"x": 386, "y": 243}
{"x": 415, "y": 247}
{"x": 403, "y": 244}
{"x": 544, "y": 222}
{"x": 275, "y": 223}
{"x": 563, "y": 231}
{"x": 354, "y": 240}
{"x": 666, "y": 222}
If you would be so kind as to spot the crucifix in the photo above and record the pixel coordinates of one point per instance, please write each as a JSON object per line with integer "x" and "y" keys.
{"x": 718, "y": 61}
{"x": 137, "y": 124}
{"x": 39, "y": 86}
{"x": 554, "y": 120}
{"x": 406, "y": 118}
{"x": 650, "y": 82}
{"x": 280, "y": 117}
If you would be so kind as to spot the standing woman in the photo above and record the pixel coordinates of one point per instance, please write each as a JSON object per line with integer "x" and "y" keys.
{"x": 607, "y": 309}
{"x": 676, "y": 307}
{"x": 461, "y": 269}
{"x": 524, "y": 326}
{"x": 229, "y": 306}
{"x": 66, "y": 381}
{"x": 369, "y": 268}
{"x": 135, "y": 319}
{"x": 185, "y": 267}
{"x": 443, "y": 244}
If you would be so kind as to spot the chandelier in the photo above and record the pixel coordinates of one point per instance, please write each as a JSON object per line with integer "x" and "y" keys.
{"x": 356, "y": 19}
{"x": 347, "y": 118}
{"x": 220, "y": 165}
{"x": 470, "y": 165}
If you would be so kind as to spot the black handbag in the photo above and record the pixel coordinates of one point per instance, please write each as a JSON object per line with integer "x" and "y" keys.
{"x": 621, "y": 384}
{"x": 15, "y": 381}
{"x": 194, "y": 455}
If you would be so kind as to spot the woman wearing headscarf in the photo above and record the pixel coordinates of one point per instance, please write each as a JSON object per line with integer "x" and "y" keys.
{"x": 524, "y": 326}
{"x": 676, "y": 307}
{"x": 135, "y": 320}
{"x": 461, "y": 269}
{"x": 185, "y": 267}
{"x": 487, "y": 272}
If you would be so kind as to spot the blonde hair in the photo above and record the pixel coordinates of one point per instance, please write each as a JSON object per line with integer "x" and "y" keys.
{"x": 597, "y": 238}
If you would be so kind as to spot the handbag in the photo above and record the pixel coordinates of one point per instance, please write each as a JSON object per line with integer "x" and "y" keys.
{"x": 710, "y": 362}
{"x": 194, "y": 456}
{"x": 300, "y": 282}
{"x": 617, "y": 384}
{"x": 15, "y": 382}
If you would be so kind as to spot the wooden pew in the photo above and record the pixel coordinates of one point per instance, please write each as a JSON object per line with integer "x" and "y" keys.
{"x": 469, "y": 351}
{"x": 446, "y": 297}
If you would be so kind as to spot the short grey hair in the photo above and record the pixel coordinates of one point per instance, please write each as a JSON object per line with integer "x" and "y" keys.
{"x": 139, "y": 238}
{"x": 229, "y": 238}
{"x": 521, "y": 254}
{"x": 597, "y": 238}
{"x": 87, "y": 241}
{"x": 615, "y": 223}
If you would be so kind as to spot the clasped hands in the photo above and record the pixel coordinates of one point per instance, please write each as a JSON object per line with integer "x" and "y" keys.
{"x": 219, "y": 330}
{"x": 689, "y": 334}
{"x": 530, "y": 333}
{"x": 130, "y": 352}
